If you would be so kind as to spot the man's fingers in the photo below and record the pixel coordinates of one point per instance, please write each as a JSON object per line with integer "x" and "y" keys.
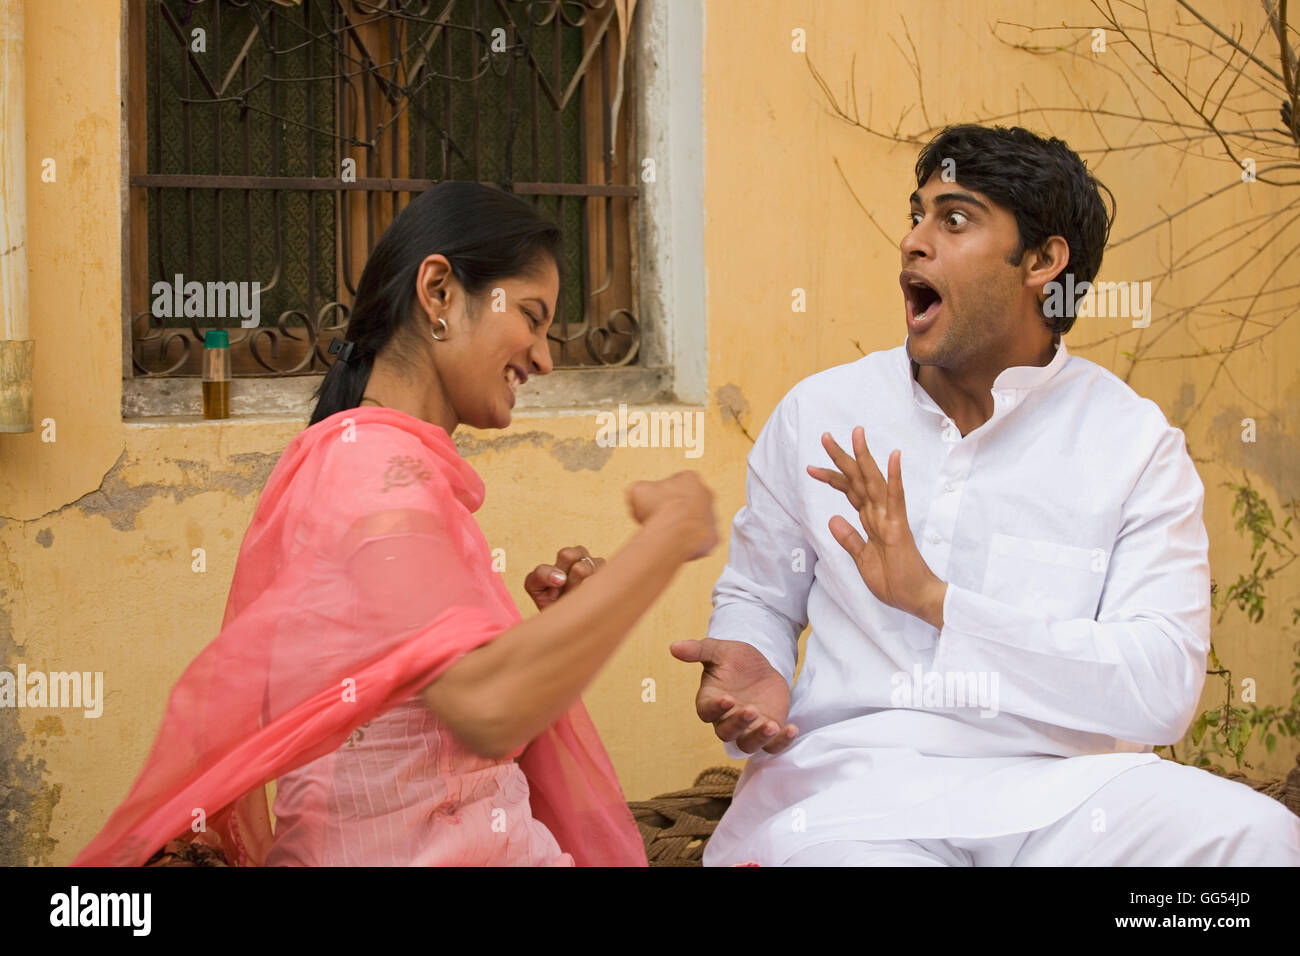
{"x": 689, "y": 651}
{"x": 896, "y": 506}
{"x": 849, "y": 539}
{"x": 711, "y": 706}
{"x": 875, "y": 482}
{"x": 758, "y": 734}
{"x": 782, "y": 740}
{"x": 708, "y": 651}
{"x": 837, "y": 481}
{"x": 846, "y": 464}
{"x": 736, "y": 721}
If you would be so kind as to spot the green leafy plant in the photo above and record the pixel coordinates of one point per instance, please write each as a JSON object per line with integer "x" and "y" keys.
{"x": 1224, "y": 732}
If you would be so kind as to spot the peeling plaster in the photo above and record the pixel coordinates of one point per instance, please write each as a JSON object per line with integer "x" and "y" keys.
{"x": 577, "y": 454}
{"x": 469, "y": 446}
{"x": 121, "y": 503}
{"x": 45, "y": 537}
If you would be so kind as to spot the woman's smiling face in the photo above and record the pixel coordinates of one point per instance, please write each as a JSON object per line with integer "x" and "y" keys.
{"x": 495, "y": 344}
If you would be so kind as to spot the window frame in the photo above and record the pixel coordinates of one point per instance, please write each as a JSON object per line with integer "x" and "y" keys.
{"x": 666, "y": 70}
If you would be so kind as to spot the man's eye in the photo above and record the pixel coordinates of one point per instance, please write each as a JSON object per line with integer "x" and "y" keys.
{"x": 912, "y": 218}
{"x": 960, "y": 216}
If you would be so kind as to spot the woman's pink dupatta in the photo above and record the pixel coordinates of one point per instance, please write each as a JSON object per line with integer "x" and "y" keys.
{"x": 362, "y": 577}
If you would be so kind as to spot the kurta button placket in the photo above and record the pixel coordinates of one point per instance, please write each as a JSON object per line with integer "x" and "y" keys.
{"x": 939, "y": 524}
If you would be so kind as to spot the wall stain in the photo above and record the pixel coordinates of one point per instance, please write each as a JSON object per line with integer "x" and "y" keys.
{"x": 45, "y": 537}
{"x": 27, "y": 800}
{"x": 1275, "y": 452}
{"x": 48, "y": 727}
{"x": 1182, "y": 406}
{"x": 735, "y": 407}
{"x": 577, "y": 454}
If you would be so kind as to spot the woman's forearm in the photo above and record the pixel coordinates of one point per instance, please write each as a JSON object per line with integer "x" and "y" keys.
{"x": 502, "y": 695}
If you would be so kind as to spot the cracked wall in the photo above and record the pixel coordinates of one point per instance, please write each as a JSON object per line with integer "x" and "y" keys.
{"x": 97, "y": 528}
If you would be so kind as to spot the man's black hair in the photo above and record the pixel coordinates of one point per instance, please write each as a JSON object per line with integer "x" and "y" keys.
{"x": 1042, "y": 182}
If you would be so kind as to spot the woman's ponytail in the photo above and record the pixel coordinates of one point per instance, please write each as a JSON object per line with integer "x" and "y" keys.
{"x": 342, "y": 387}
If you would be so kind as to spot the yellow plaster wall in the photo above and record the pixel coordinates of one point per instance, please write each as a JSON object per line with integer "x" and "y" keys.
{"x": 97, "y": 527}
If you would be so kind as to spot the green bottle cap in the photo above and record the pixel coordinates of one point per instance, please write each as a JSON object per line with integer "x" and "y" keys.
{"x": 216, "y": 339}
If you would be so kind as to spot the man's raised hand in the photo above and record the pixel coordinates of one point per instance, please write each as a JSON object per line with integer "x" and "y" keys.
{"x": 741, "y": 694}
{"x": 889, "y": 561}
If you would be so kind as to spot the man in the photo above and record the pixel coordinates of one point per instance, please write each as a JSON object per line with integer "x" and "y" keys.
{"x": 995, "y": 653}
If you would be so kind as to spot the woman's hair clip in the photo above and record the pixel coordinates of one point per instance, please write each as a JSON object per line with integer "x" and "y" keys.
{"x": 342, "y": 349}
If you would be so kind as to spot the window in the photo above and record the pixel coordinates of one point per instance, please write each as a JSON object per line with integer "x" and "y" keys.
{"x": 271, "y": 142}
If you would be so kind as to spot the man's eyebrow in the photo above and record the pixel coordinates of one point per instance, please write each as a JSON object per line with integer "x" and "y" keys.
{"x": 546, "y": 309}
{"x": 915, "y": 199}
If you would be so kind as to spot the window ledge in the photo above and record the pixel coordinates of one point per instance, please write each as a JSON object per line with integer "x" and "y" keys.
{"x": 179, "y": 400}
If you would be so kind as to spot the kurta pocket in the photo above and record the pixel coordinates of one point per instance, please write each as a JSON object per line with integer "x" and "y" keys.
{"x": 1062, "y": 580}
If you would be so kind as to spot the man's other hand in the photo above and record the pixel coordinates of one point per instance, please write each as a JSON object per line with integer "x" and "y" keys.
{"x": 741, "y": 694}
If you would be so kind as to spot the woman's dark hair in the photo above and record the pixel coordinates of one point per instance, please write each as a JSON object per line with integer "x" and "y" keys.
{"x": 1043, "y": 183}
{"x": 486, "y": 234}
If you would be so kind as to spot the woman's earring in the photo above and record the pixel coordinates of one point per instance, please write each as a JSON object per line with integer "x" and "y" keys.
{"x": 443, "y": 322}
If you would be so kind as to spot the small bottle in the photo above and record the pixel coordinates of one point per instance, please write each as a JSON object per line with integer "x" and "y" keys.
{"x": 216, "y": 374}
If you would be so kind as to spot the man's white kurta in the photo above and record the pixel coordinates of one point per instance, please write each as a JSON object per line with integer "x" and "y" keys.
{"x": 1076, "y": 623}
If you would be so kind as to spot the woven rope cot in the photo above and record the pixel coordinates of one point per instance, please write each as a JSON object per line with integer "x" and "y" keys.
{"x": 675, "y": 827}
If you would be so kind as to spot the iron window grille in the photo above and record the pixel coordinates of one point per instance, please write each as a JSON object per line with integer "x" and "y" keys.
{"x": 244, "y": 117}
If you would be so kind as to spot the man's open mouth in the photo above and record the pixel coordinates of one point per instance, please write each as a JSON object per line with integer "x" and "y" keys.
{"x": 923, "y": 300}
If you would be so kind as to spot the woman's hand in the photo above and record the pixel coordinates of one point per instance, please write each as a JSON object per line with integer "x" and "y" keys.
{"x": 682, "y": 502}
{"x": 547, "y": 583}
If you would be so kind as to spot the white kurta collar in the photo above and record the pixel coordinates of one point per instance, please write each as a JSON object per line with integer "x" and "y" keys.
{"x": 1031, "y": 376}
{"x": 1017, "y": 377}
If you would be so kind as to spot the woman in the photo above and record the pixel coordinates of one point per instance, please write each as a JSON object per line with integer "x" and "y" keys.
{"x": 370, "y": 658}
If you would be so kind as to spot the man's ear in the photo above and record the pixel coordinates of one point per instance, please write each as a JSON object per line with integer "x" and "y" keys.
{"x": 1044, "y": 264}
